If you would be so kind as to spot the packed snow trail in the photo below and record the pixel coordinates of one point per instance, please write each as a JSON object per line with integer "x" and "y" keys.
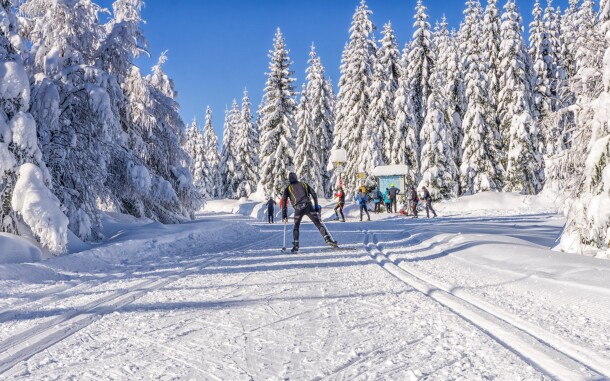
{"x": 435, "y": 299}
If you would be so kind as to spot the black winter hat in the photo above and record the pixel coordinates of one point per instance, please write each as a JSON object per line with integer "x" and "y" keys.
{"x": 292, "y": 177}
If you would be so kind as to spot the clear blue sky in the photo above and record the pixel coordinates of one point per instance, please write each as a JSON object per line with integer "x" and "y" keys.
{"x": 219, "y": 47}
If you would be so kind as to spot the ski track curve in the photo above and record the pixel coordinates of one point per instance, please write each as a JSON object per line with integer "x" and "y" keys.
{"x": 551, "y": 355}
{"x": 31, "y": 341}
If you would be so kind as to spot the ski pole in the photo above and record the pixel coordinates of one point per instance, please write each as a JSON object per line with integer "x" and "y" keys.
{"x": 284, "y": 246}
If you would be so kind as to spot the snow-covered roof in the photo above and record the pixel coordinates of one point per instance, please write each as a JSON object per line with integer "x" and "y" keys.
{"x": 391, "y": 170}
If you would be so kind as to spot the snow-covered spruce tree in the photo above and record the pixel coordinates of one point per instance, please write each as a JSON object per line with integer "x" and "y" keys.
{"x": 438, "y": 170}
{"x": 547, "y": 76}
{"x": 405, "y": 145}
{"x": 588, "y": 220}
{"x": 194, "y": 147}
{"x": 454, "y": 90}
{"x": 480, "y": 170}
{"x": 518, "y": 119}
{"x": 322, "y": 97}
{"x": 213, "y": 180}
{"x": 388, "y": 70}
{"x": 370, "y": 149}
{"x": 277, "y": 126}
{"x": 307, "y": 159}
{"x": 75, "y": 105}
{"x": 560, "y": 95}
{"x": 27, "y": 205}
{"x": 123, "y": 41}
{"x": 246, "y": 144}
{"x": 590, "y": 44}
{"x": 174, "y": 183}
{"x": 560, "y": 86}
{"x": 353, "y": 100}
{"x": 540, "y": 51}
{"x": 315, "y": 123}
{"x": 491, "y": 55}
{"x": 229, "y": 165}
{"x": 421, "y": 62}
{"x": 569, "y": 31}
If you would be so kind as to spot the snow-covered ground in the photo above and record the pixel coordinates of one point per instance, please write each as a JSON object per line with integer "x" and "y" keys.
{"x": 475, "y": 294}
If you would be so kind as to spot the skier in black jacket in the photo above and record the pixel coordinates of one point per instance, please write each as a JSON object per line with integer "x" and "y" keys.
{"x": 428, "y": 200}
{"x": 270, "y": 209}
{"x": 300, "y": 194}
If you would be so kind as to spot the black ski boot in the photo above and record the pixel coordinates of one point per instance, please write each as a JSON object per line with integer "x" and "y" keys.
{"x": 329, "y": 241}
{"x": 295, "y": 247}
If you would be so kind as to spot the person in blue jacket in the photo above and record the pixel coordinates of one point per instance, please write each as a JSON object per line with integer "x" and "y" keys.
{"x": 387, "y": 201}
{"x": 362, "y": 199}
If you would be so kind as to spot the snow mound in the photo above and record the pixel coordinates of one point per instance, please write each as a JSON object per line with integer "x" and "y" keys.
{"x": 40, "y": 209}
{"x": 15, "y": 249}
{"x": 501, "y": 203}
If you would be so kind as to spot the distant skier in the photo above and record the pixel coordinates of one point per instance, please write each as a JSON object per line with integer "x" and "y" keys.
{"x": 270, "y": 209}
{"x": 362, "y": 199}
{"x": 393, "y": 191}
{"x": 387, "y": 201}
{"x": 300, "y": 194}
{"x": 414, "y": 200}
{"x": 428, "y": 201}
{"x": 340, "y": 195}
{"x": 377, "y": 200}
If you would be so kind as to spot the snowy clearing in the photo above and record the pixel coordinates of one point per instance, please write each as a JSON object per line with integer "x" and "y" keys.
{"x": 477, "y": 295}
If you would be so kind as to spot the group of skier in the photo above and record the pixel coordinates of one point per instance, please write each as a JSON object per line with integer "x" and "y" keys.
{"x": 301, "y": 196}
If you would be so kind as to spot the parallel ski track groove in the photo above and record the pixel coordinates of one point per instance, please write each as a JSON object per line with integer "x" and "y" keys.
{"x": 28, "y": 343}
{"x": 578, "y": 353}
{"x": 493, "y": 324}
{"x": 10, "y": 312}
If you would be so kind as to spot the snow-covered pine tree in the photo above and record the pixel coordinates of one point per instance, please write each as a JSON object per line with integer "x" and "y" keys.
{"x": 307, "y": 159}
{"x": 560, "y": 86}
{"x": 124, "y": 40}
{"x": 540, "y": 51}
{"x": 387, "y": 69}
{"x": 439, "y": 173}
{"x": 455, "y": 97}
{"x": 277, "y": 125}
{"x": 353, "y": 100}
{"x": 173, "y": 181}
{"x": 76, "y": 138}
{"x": 421, "y": 62}
{"x": 229, "y": 165}
{"x": 27, "y": 205}
{"x": 194, "y": 147}
{"x": 547, "y": 75}
{"x": 322, "y": 96}
{"x": 491, "y": 55}
{"x": 588, "y": 221}
{"x": 246, "y": 141}
{"x": 590, "y": 44}
{"x": 569, "y": 31}
{"x": 405, "y": 146}
{"x": 315, "y": 127}
{"x": 213, "y": 180}
{"x": 369, "y": 139}
{"x": 518, "y": 119}
{"x": 480, "y": 170}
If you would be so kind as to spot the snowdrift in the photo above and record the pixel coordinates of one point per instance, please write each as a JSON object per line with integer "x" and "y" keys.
{"x": 499, "y": 203}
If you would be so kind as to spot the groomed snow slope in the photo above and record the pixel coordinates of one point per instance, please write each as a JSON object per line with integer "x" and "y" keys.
{"x": 464, "y": 296}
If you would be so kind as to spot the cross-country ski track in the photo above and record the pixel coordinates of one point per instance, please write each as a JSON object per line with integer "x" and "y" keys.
{"x": 461, "y": 297}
